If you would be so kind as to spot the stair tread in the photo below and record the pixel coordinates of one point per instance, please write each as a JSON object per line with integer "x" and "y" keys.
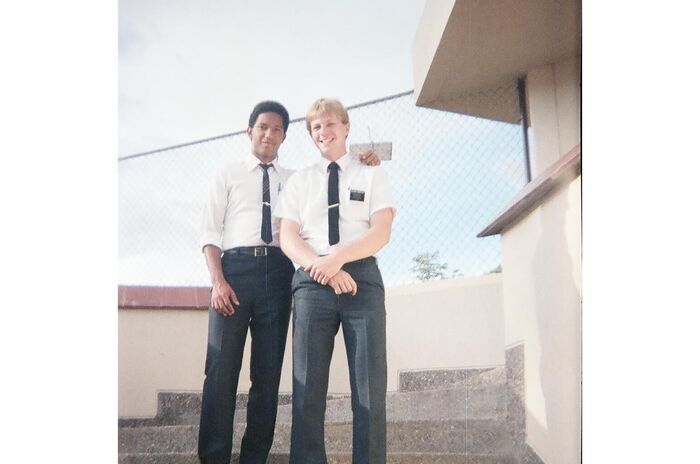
{"x": 457, "y": 416}
{"x": 333, "y": 458}
{"x": 483, "y": 436}
{"x": 486, "y": 401}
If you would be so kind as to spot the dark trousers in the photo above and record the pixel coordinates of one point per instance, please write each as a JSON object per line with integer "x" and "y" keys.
{"x": 318, "y": 312}
{"x": 263, "y": 287}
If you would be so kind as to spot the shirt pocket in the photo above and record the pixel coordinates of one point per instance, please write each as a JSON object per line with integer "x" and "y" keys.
{"x": 355, "y": 203}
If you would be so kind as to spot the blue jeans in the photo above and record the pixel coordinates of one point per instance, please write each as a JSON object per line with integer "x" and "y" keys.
{"x": 318, "y": 312}
{"x": 263, "y": 287}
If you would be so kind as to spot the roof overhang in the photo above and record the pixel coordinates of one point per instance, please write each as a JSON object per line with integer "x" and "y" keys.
{"x": 466, "y": 49}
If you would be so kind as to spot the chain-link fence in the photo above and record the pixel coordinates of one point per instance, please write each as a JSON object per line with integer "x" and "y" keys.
{"x": 450, "y": 174}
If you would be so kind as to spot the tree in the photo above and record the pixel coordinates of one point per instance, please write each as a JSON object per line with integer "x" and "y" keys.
{"x": 495, "y": 270}
{"x": 427, "y": 267}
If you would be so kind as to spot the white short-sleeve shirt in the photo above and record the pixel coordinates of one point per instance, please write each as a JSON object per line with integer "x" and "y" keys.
{"x": 363, "y": 190}
{"x": 232, "y": 214}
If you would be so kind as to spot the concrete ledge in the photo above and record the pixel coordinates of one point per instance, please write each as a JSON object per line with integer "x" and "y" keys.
{"x": 537, "y": 191}
{"x": 147, "y": 297}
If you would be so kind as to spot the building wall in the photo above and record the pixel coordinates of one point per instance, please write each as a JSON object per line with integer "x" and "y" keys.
{"x": 433, "y": 21}
{"x": 542, "y": 310}
{"x": 554, "y": 107}
{"x": 158, "y": 350}
{"x": 454, "y": 323}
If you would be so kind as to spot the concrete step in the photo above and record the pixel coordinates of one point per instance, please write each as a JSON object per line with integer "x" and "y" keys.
{"x": 487, "y": 401}
{"x": 333, "y": 458}
{"x": 412, "y": 406}
{"x": 439, "y": 379}
{"x": 183, "y": 408}
{"x": 185, "y": 458}
{"x": 457, "y": 403}
{"x": 483, "y": 387}
{"x": 439, "y": 416}
{"x": 179, "y": 408}
{"x": 453, "y": 403}
{"x": 481, "y": 436}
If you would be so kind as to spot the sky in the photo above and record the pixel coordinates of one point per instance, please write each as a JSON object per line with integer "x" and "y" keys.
{"x": 193, "y": 70}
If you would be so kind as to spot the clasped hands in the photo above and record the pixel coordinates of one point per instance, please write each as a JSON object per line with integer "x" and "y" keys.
{"x": 326, "y": 270}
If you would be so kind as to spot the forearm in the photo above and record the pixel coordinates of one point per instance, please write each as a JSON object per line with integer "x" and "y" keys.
{"x": 212, "y": 255}
{"x": 294, "y": 246}
{"x": 222, "y": 295}
{"x": 324, "y": 268}
{"x": 367, "y": 245}
{"x": 376, "y": 237}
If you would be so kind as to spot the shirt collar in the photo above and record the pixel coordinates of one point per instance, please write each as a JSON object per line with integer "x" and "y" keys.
{"x": 252, "y": 162}
{"x": 343, "y": 162}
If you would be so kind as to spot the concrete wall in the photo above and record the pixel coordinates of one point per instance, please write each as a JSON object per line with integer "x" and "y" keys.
{"x": 158, "y": 349}
{"x": 542, "y": 273}
{"x": 453, "y": 323}
{"x": 554, "y": 106}
{"x": 542, "y": 309}
{"x": 427, "y": 39}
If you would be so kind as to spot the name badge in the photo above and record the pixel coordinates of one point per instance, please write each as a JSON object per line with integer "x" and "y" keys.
{"x": 357, "y": 195}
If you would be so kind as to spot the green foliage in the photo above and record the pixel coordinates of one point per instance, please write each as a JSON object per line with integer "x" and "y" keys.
{"x": 427, "y": 266}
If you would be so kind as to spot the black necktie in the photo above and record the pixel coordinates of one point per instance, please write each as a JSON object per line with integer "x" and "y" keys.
{"x": 266, "y": 227}
{"x": 333, "y": 204}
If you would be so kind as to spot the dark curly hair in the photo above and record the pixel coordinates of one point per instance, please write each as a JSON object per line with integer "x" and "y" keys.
{"x": 269, "y": 106}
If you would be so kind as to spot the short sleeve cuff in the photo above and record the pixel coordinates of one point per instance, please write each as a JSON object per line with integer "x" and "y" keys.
{"x": 210, "y": 239}
{"x": 381, "y": 207}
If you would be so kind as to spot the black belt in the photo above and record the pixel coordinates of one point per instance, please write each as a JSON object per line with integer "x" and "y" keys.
{"x": 367, "y": 260}
{"x": 256, "y": 251}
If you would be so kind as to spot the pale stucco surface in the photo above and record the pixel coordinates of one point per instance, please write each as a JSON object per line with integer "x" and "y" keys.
{"x": 554, "y": 103}
{"x": 454, "y": 323}
{"x": 542, "y": 307}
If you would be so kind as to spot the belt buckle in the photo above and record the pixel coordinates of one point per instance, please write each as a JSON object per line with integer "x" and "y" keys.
{"x": 260, "y": 251}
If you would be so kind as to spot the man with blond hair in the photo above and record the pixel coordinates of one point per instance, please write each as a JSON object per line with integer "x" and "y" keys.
{"x": 334, "y": 217}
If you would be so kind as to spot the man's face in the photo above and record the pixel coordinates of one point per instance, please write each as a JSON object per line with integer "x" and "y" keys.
{"x": 329, "y": 134}
{"x": 266, "y": 135}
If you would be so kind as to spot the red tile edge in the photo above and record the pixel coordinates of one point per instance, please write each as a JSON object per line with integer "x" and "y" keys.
{"x": 148, "y": 297}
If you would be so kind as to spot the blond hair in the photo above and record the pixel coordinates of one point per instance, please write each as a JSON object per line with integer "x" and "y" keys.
{"x": 324, "y": 106}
